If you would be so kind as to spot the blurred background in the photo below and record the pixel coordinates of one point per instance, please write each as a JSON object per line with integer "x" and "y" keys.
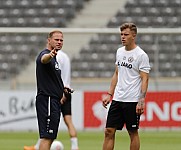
{"x": 91, "y": 38}
{"x": 91, "y": 33}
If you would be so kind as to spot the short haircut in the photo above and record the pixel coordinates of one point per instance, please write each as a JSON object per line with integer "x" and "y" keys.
{"x": 54, "y": 31}
{"x": 131, "y": 26}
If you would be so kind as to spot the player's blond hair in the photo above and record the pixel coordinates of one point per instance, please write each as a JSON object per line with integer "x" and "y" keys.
{"x": 54, "y": 31}
{"x": 131, "y": 26}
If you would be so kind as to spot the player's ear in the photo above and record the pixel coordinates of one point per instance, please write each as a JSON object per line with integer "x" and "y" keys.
{"x": 48, "y": 40}
{"x": 134, "y": 36}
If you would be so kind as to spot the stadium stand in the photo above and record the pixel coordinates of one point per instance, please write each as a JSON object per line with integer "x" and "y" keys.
{"x": 17, "y": 50}
{"x": 145, "y": 14}
{"x": 96, "y": 59}
{"x": 24, "y": 13}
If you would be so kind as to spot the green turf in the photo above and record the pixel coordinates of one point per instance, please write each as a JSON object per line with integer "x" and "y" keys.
{"x": 93, "y": 140}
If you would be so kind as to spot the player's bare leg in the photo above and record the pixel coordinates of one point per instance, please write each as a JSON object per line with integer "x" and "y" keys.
{"x": 109, "y": 138}
{"x": 134, "y": 140}
{"x": 72, "y": 132}
{"x": 45, "y": 144}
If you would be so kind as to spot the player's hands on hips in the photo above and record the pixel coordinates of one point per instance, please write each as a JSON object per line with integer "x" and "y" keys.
{"x": 106, "y": 100}
{"x": 140, "y": 106}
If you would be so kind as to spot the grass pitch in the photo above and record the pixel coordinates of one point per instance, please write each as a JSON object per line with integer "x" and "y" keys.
{"x": 92, "y": 140}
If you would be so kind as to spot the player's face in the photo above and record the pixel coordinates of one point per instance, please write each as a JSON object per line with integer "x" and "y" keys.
{"x": 56, "y": 41}
{"x": 127, "y": 37}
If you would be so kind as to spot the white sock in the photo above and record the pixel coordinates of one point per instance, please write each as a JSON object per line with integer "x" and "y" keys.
{"x": 37, "y": 144}
{"x": 74, "y": 143}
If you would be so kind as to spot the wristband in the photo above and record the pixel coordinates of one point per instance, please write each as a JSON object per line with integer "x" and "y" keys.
{"x": 109, "y": 93}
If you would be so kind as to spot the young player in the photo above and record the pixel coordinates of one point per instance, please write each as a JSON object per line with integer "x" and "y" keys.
{"x": 128, "y": 87}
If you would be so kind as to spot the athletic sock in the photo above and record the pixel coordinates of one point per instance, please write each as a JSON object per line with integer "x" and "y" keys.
{"x": 37, "y": 145}
{"x": 74, "y": 143}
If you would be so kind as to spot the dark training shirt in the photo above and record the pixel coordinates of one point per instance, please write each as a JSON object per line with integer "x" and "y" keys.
{"x": 49, "y": 81}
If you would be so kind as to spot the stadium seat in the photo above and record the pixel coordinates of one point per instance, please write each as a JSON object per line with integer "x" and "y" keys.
{"x": 175, "y": 3}
{"x": 177, "y": 39}
{"x": 173, "y": 22}
{"x": 167, "y": 11}
{"x": 145, "y": 3}
{"x": 131, "y": 3}
{"x": 152, "y": 11}
{"x": 165, "y": 39}
{"x": 161, "y": 3}
{"x": 137, "y": 11}
{"x": 146, "y": 38}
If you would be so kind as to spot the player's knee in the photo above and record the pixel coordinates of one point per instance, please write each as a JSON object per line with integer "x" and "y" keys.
{"x": 109, "y": 132}
{"x": 133, "y": 133}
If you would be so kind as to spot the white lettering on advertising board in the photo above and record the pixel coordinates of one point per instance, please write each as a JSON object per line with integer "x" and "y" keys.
{"x": 168, "y": 111}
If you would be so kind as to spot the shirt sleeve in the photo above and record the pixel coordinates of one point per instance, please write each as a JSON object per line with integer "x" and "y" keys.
{"x": 144, "y": 63}
{"x": 41, "y": 54}
{"x": 65, "y": 67}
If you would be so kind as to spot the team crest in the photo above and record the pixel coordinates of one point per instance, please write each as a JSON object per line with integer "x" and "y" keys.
{"x": 56, "y": 66}
{"x": 130, "y": 59}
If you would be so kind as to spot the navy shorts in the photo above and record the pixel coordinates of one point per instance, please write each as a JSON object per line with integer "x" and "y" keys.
{"x": 123, "y": 113}
{"x": 66, "y": 107}
{"x": 48, "y": 114}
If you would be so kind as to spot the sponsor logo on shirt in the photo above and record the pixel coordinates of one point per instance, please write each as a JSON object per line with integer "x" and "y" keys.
{"x": 124, "y": 64}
